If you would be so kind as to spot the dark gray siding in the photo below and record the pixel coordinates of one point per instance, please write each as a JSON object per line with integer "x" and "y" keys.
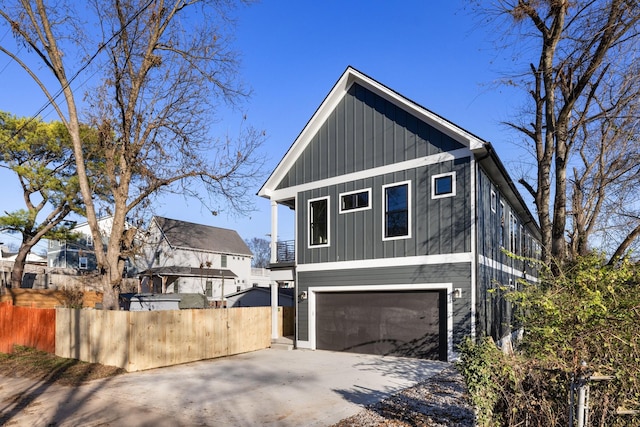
{"x": 439, "y": 226}
{"x": 365, "y": 131}
{"x": 458, "y": 274}
{"x": 495, "y": 278}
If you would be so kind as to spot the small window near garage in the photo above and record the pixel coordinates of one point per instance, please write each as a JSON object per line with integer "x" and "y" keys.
{"x": 397, "y": 208}
{"x": 83, "y": 262}
{"x": 443, "y": 185}
{"x": 355, "y": 201}
{"x": 319, "y": 222}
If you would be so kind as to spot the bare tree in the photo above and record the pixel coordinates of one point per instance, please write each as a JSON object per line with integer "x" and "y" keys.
{"x": 261, "y": 249}
{"x": 163, "y": 66}
{"x": 582, "y": 49}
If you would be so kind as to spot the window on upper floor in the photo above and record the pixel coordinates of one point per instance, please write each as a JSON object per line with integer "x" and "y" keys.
{"x": 514, "y": 233}
{"x": 443, "y": 185}
{"x": 83, "y": 263}
{"x": 397, "y": 211}
{"x": 223, "y": 261}
{"x": 355, "y": 201}
{"x": 494, "y": 201}
{"x": 501, "y": 237}
{"x": 319, "y": 222}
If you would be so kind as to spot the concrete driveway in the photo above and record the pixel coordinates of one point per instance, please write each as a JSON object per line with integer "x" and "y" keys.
{"x": 267, "y": 387}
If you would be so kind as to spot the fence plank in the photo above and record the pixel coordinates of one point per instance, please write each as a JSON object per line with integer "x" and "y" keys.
{"x": 31, "y": 327}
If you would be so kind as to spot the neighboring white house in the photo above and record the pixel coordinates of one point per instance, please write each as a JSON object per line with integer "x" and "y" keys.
{"x": 185, "y": 257}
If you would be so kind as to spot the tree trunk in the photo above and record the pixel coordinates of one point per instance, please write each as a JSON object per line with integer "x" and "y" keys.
{"x": 18, "y": 266}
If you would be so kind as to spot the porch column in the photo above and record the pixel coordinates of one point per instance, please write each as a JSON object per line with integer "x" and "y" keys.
{"x": 274, "y": 259}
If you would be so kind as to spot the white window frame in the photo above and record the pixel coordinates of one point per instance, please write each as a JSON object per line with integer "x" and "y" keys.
{"x": 494, "y": 201}
{"x": 348, "y": 193}
{"x": 384, "y": 210}
{"x": 310, "y": 245}
{"x": 433, "y": 185}
{"x": 81, "y": 265}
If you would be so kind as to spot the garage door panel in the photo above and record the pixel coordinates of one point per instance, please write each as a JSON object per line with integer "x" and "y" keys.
{"x": 386, "y": 323}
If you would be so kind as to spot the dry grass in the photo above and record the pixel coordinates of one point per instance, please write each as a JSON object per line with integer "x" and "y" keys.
{"x": 39, "y": 365}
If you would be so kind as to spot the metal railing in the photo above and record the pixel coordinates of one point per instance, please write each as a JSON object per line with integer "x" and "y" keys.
{"x": 286, "y": 251}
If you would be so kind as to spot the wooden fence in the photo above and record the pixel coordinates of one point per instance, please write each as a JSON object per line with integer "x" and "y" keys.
{"x": 150, "y": 339}
{"x": 27, "y": 326}
{"x": 48, "y": 298}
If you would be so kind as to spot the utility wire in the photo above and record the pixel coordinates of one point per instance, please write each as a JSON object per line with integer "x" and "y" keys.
{"x": 84, "y": 66}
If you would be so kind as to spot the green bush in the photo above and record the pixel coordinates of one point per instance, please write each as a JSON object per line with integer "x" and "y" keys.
{"x": 589, "y": 313}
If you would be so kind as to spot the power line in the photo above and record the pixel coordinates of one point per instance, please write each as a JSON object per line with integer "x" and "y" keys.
{"x": 82, "y": 68}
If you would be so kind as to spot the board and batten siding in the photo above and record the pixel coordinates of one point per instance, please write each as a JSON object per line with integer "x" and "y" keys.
{"x": 438, "y": 226}
{"x": 498, "y": 272}
{"x": 458, "y": 274}
{"x": 363, "y": 132}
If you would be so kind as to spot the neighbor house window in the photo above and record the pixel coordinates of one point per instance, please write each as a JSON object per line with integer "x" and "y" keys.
{"x": 223, "y": 261}
{"x": 443, "y": 185}
{"x": 89, "y": 241}
{"x": 319, "y": 222}
{"x": 209, "y": 288}
{"x": 83, "y": 262}
{"x": 397, "y": 207}
{"x": 355, "y": 201}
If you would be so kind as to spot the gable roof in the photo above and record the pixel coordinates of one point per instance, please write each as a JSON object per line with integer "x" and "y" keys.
{"x": 483, "y": 151}
{"x": 189, "y": 235}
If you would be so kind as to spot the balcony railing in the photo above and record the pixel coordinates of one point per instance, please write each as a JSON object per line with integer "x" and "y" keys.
{"x": 286, "y": 251}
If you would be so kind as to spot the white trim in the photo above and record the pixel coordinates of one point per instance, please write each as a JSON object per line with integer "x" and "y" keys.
{"x": 290, "y": 192}
{"x": 493, "y": 201}
{"x": 474, "y": 245}
{"x": 324, "y": 245}
{"x": 491, "y": 263}
{"x": 364, "y": 190}
{"x": 384, "y": 210}
{"x": 448, "y": 287}
{"x": 388, "y": 262}
{"x": 433, "y": 185}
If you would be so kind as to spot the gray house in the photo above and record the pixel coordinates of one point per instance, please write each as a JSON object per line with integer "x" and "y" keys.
{"x": 404, "y": 222}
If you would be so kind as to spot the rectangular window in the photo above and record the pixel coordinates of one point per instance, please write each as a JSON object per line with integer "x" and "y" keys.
{"x": 83, "y": 262}
{"x": 223, "y": 261}
{"x": 176, "y": 287}
{"x": 494, "y": 201}
{"x": 397, "y": 207}
{"x": 443, "y": 185}
{"x": 319, "y": 222}
{"x": 502, "y": 225}
{"x": 89, "y": 241}
{"x": 355, "y": 201}
{"x": 513, "y": 229}
{"x": 209, "y": 288}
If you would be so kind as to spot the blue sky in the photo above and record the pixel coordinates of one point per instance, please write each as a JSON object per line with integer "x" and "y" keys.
{"x": 436, "y": 53}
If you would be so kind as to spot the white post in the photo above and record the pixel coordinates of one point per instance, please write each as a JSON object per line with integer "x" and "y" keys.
{"x": 274, "y": 259}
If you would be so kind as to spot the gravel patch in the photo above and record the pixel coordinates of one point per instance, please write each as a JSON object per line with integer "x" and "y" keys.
{"x": 440, "y": 401}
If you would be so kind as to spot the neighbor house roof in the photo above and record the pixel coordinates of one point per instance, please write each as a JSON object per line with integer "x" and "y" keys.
{"x": 188, "y": 272}
{"x": 189, "y": 235}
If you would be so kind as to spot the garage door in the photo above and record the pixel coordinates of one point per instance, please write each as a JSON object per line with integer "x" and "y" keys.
{"x": 399, "y": 323}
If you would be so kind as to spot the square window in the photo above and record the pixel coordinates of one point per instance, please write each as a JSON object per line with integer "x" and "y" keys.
{"x": 319, "y": 222}
{"x": 443, "y": 185}
{"x": 397, "y": 220}
{"x": 355, "y": 201}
